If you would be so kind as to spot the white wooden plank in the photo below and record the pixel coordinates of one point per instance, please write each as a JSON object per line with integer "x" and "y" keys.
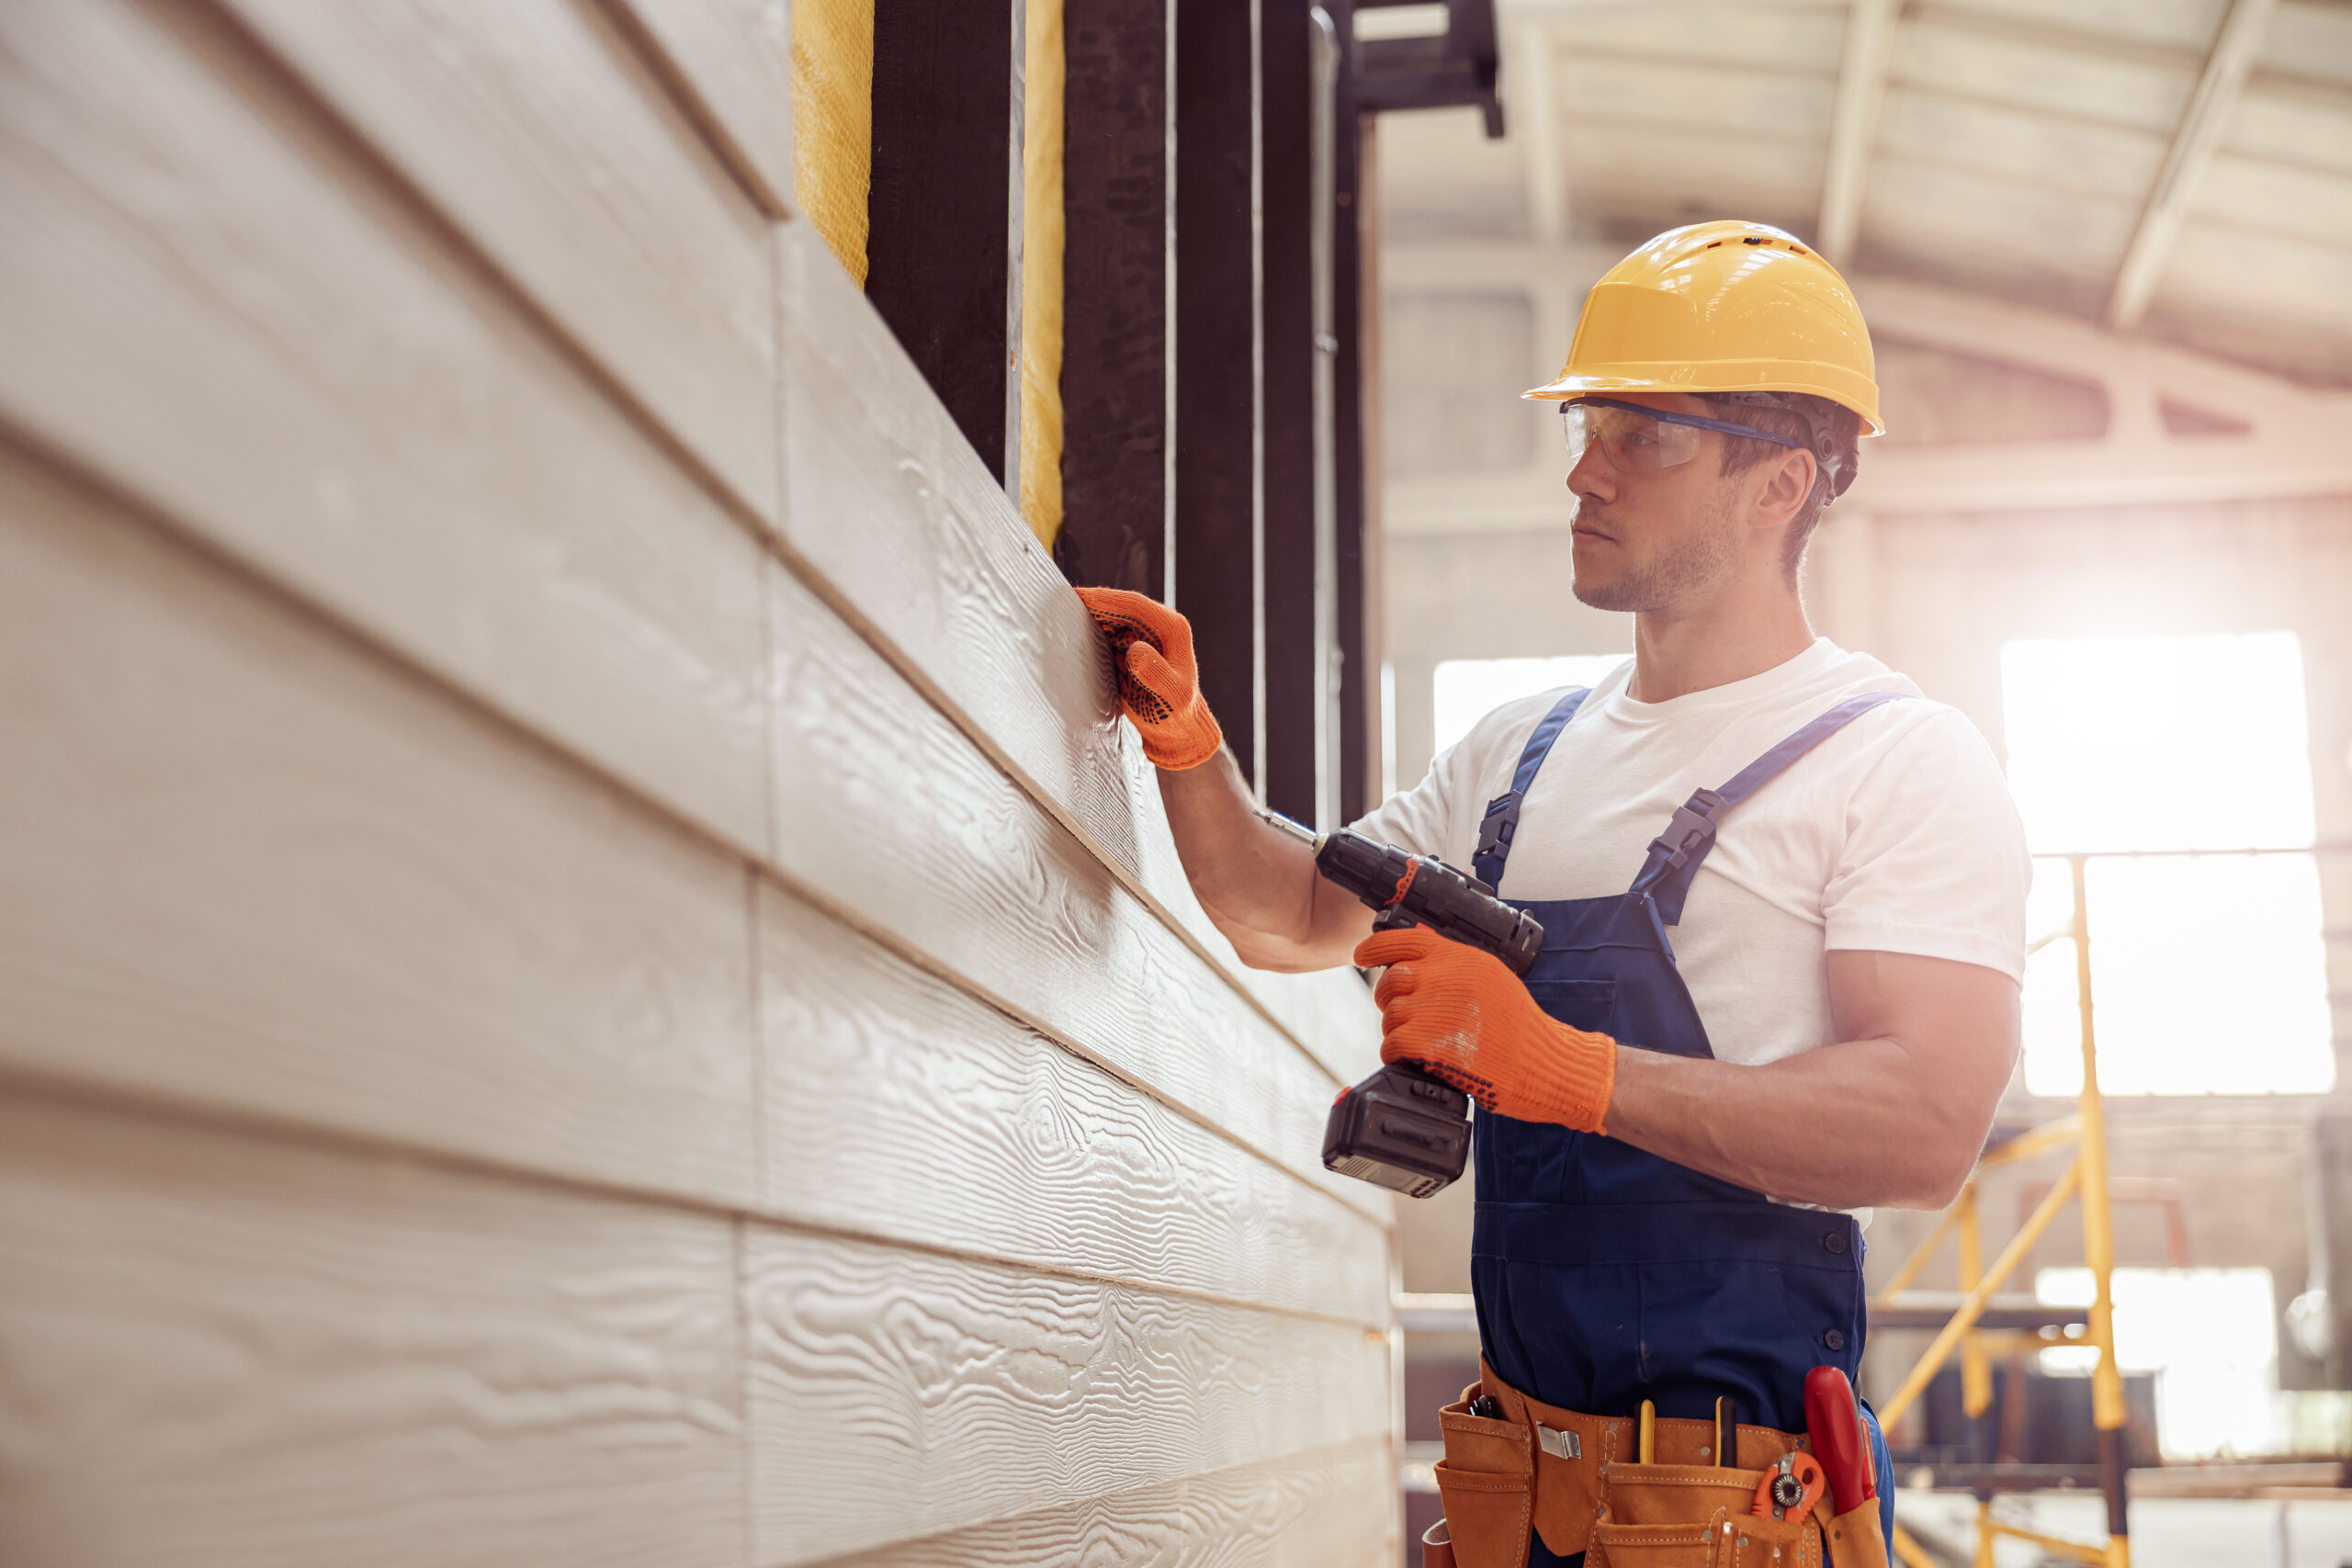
{"x": 888, "y": 501}
{"x": 974, "y": 1133}
{"x": 893, "y": 509}
{"x": 894, "y": 1395}
{"x": 888, "y": 811}
{"x": 222, "y": 1352}
{"x": 1320, "y": 1508}
{"x": 1329, "y": 1011}
{"x": 247, "y": 864}
{"x": 536, "y": 130}
{"x": 219, "y": 305}
{"x": 733, "y": 61}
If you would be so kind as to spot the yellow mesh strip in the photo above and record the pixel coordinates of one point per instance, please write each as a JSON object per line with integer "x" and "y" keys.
{"x": 832, "y": 120}
{"x": 1041, "y": 273}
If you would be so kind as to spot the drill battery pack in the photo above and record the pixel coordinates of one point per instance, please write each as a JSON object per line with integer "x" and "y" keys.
{"x": 1400, "y": 1130}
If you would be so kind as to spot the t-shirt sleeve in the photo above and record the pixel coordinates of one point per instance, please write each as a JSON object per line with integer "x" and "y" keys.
{"x": 1934, "y": 858}
{"x": 1421, "y": 818}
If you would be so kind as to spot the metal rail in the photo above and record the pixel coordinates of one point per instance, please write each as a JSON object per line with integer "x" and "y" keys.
{"x": 2085, "y": 1174}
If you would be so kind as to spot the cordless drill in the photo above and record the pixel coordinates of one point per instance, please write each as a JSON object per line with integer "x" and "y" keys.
{"x": 1401, "y": 1128}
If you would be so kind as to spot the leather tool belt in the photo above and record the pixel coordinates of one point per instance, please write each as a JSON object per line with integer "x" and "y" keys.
{"x": 1574, "y": 1479}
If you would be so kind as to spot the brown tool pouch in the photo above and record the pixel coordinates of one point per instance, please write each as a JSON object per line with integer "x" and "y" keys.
{"x": 1857, "y": 1537}
{"x": 1570, "y": 1478}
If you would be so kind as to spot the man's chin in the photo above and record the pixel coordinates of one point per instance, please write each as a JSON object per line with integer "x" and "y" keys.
{"x": 1600, "y": 592}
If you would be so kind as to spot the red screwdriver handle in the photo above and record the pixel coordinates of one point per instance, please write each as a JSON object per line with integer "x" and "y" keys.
{"x": 1835, "y": 1424}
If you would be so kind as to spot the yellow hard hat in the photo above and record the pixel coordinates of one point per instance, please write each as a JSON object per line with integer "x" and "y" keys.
{"x": 1725, "y": 306}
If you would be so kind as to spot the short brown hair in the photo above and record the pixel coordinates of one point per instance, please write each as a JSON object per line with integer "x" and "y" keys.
{"x": 1831, "y": 431}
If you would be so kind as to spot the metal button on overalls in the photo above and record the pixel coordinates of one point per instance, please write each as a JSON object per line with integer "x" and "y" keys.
{"x": 1604, "y": 1275}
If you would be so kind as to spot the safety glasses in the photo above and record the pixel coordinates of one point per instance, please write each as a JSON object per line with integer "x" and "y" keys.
{"x": 1642, "y": 440}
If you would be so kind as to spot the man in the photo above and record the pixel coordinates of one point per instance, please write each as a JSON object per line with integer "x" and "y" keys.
{"x": 1783, "y": 895}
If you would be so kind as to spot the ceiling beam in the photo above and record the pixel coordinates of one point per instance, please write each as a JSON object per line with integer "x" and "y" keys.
{"x": 1861, "y": 89}
{"x": 1535, "y": 116}
{"x": 2193, "y": 140}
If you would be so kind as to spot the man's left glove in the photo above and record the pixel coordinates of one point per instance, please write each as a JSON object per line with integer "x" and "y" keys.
{"x": 1151, "y": 651}
{"x": 1465, "y": 1019}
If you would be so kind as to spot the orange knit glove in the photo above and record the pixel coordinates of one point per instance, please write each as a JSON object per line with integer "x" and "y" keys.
{"x": 1461, "y": 1017}
{"x": 1151, "y": 650}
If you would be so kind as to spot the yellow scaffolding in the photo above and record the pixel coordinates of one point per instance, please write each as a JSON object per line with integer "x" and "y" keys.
{"x": 2085, "y": 1174}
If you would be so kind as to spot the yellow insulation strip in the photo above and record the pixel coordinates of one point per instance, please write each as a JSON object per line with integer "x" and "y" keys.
{"x": 1041, "y": 273}
{"x": 832, "y": 120}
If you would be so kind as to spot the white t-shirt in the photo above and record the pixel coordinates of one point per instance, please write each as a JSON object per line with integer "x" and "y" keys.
{"x": 1896, "y": 834}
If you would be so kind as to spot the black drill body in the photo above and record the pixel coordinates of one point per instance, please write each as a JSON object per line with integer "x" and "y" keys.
{"x": 1400, "y": 1128}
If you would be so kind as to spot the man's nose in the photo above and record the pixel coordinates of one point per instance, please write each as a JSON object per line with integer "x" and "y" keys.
{"x": 1593, "y": 477}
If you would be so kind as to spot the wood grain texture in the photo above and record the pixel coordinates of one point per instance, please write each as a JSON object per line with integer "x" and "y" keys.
{"x": 1329, "y": 1011}
{"x": 733, "y": 61}
{"x": 535, "y": 128}
{"x": 894, "y": 1396}
{"x": 894, "y": 814}
{"x": 1333, "y": 1507}
{"x": 245, "y": 864}
{"x": 225, "y": 312}
{"x": 222, "y": 1352}
{"x": 898, "y": 1106}
{"x": 887, "y": 503}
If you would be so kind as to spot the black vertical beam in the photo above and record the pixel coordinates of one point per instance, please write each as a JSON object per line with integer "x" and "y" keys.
{"x": 938, "y": 247}
{"x": 1293, "y": 656}
{"x": 1117, "y": 385}
{"x": 1353, "y": 318}
{"x": 1215, "y": 569}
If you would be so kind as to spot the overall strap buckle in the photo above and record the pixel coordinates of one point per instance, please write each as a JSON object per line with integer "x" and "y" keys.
{"x": 1690, "y": 834}
{"x": 1495, "y": 830}
{"x": 1501, "y": 824}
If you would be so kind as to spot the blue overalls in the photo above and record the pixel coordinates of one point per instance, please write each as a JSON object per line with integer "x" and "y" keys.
{"x": 1603, "y": 1275}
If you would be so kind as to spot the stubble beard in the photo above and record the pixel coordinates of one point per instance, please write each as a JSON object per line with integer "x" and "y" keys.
{"x": 1701, "y": 560}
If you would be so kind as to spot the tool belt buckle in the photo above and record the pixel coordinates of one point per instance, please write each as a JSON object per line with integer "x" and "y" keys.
{"x": 1558, "y": 1444}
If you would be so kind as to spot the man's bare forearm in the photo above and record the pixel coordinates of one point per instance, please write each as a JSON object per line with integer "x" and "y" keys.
{"x": 1258, "y": 882}
{"x": 1894, "y": 1116}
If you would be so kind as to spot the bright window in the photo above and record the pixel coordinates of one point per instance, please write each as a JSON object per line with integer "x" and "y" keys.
{"x": 2208, "y": 974}
{"x": 2209, "y": 1336}
{"x": 1468, "y": 690}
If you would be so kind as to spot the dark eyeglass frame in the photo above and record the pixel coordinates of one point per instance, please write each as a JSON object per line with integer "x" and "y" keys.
{"x": 1669, "y": 417}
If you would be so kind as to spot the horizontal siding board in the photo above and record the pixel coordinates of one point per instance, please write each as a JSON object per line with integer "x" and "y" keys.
{"x": 245, "y": 864}
{"x": 1333, "y": 1507}
{"x": 536, "y": 130}
{"x": 889, "y": 503}
{"x": 888, "y": 810}
{"x": 252, "y": 1355}
{"x": 240, "y": 326}
{"x": 1329, "y": 1011}
{"x": 898, "y": 1106}
{"x": 886, "y": 499}
{"x": 733, "y": 61}
{"x": 894, "y": 1395}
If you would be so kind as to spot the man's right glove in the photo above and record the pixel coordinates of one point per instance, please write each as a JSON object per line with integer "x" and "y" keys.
{"x": 1151, "y": 649}
{"x": 1461, "y": 1016}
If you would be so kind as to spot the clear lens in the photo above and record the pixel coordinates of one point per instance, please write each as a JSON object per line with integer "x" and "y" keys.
{"x": 1634, "y": 443}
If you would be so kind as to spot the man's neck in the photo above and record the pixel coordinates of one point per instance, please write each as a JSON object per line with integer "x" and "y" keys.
{"x": 1733, "y": 635}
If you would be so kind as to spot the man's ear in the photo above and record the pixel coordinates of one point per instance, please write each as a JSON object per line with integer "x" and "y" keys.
{"x": 1786, "y": 485}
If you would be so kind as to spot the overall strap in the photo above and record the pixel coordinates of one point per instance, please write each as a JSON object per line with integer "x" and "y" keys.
{"x": 1675, "y": 854}
{"x": 1501, "y": 824}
